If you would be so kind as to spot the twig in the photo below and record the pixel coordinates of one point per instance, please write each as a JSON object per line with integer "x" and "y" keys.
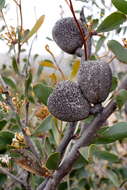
{"x": 16, "y": 2}
{"x": 5, "y": 171}
{"x": 6, "y": 24}
{"x": 27, "y": 113}
{"x": 20, "y": 32}
{"x": 123, "y": 183}
{"x": 79, "y": 27}
{"x": 111, "y": 59}
{"x": 87, "y": 137}
{"x": 54, "y": 59}
{"x": 21, "y": 16}
{"x": 67, "y": 138}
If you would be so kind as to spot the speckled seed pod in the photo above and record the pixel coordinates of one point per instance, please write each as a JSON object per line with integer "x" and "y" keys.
{"x": 67, "y": 36}
{"x": 95, "y": 80}
{"x": 67, "y": 103}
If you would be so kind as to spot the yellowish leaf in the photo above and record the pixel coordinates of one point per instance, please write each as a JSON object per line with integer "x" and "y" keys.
{"x": 28, "y": 162}
{"x": 47, "y": 63}
{"x": 35, "y": 28}
{"x": 53, "y": 78}
{"x": 75, "y": 68}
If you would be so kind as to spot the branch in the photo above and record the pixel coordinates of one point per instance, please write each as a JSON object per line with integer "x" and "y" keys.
{"x": 69, "y": 134}
{"x": 88, "y": 135}
{"x": 79, "y": 27}
{"x": 67, "y": 138}
{"x": 21, "y": 182}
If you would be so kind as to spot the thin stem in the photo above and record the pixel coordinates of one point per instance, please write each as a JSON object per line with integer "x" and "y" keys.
{"x": 27, "y": 113}
{"x": 111, "y": 59}
{"x": 6, "y": 24}
{"x": 54, "y": 59}
{"x": 16, "y": 2}
{"x": 5, "y": 171}
{"x": 20, "y": 32}
{"x": 80, "y": 29}
{"x": 21, "y": 16}
{"x": 123, "y": 183}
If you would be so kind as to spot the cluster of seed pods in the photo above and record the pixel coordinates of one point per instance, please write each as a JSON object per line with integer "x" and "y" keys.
{"x": 71, "y": 101}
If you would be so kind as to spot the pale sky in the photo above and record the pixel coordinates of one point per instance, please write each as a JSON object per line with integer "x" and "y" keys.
{"x": 33, "y": 9}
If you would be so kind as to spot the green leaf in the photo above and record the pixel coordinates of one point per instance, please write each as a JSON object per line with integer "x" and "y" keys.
{"x": 35, "y": 28}
{"x": 3, "y": 179}
{"x": 113, "y": 178}
{"x": 81, "y": 162}
{"x": 2, "y": 124}
{"x": 86, "y": 152}
{"x": 121, "y": 5}
{"x": 111, "y": 134}
{"x": 1, "y": 98}
{"x": 114, "y": 83}
{"x": 15, "y": 65}
{"x": 39, "y": 71}
{"x": 105, "y": 155}
{"x": 42, "y": 92}
{"x": 28, "y": 82}
{"x": 100, "y": 43}
{"x": 5, "y": 139}
{"x": 94, "y": 23}
{"x": 75, "y": 68}
{"x": 119, "y": 51}
{"x": 44, "y": 126}
{"x": 62, "y": 186}
{"x": 113, "y": 21}
{"x": 2, "y": 4}
{"x": 53, "y": 161}
{"x": 9, "y": 82}
{"x": 121, "y": 98}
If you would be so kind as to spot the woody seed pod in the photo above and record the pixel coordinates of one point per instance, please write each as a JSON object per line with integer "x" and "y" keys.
{"x": 67, "y": 36}
{"x": 95, "y": 80}
{"x": 67, "y": 103}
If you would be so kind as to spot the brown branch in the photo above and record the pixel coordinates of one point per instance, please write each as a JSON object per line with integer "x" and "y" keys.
{"x": 87, "y": 137}
{"x": 79, "y": 27}
{"x": 69, "y": 134}
{"x": 20, "y": 32}
{"x": 16, "y": 2}
{"x": 27, "y": 113}
{"x": 67, "y": 138}
{"x": 85, "y": 140}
